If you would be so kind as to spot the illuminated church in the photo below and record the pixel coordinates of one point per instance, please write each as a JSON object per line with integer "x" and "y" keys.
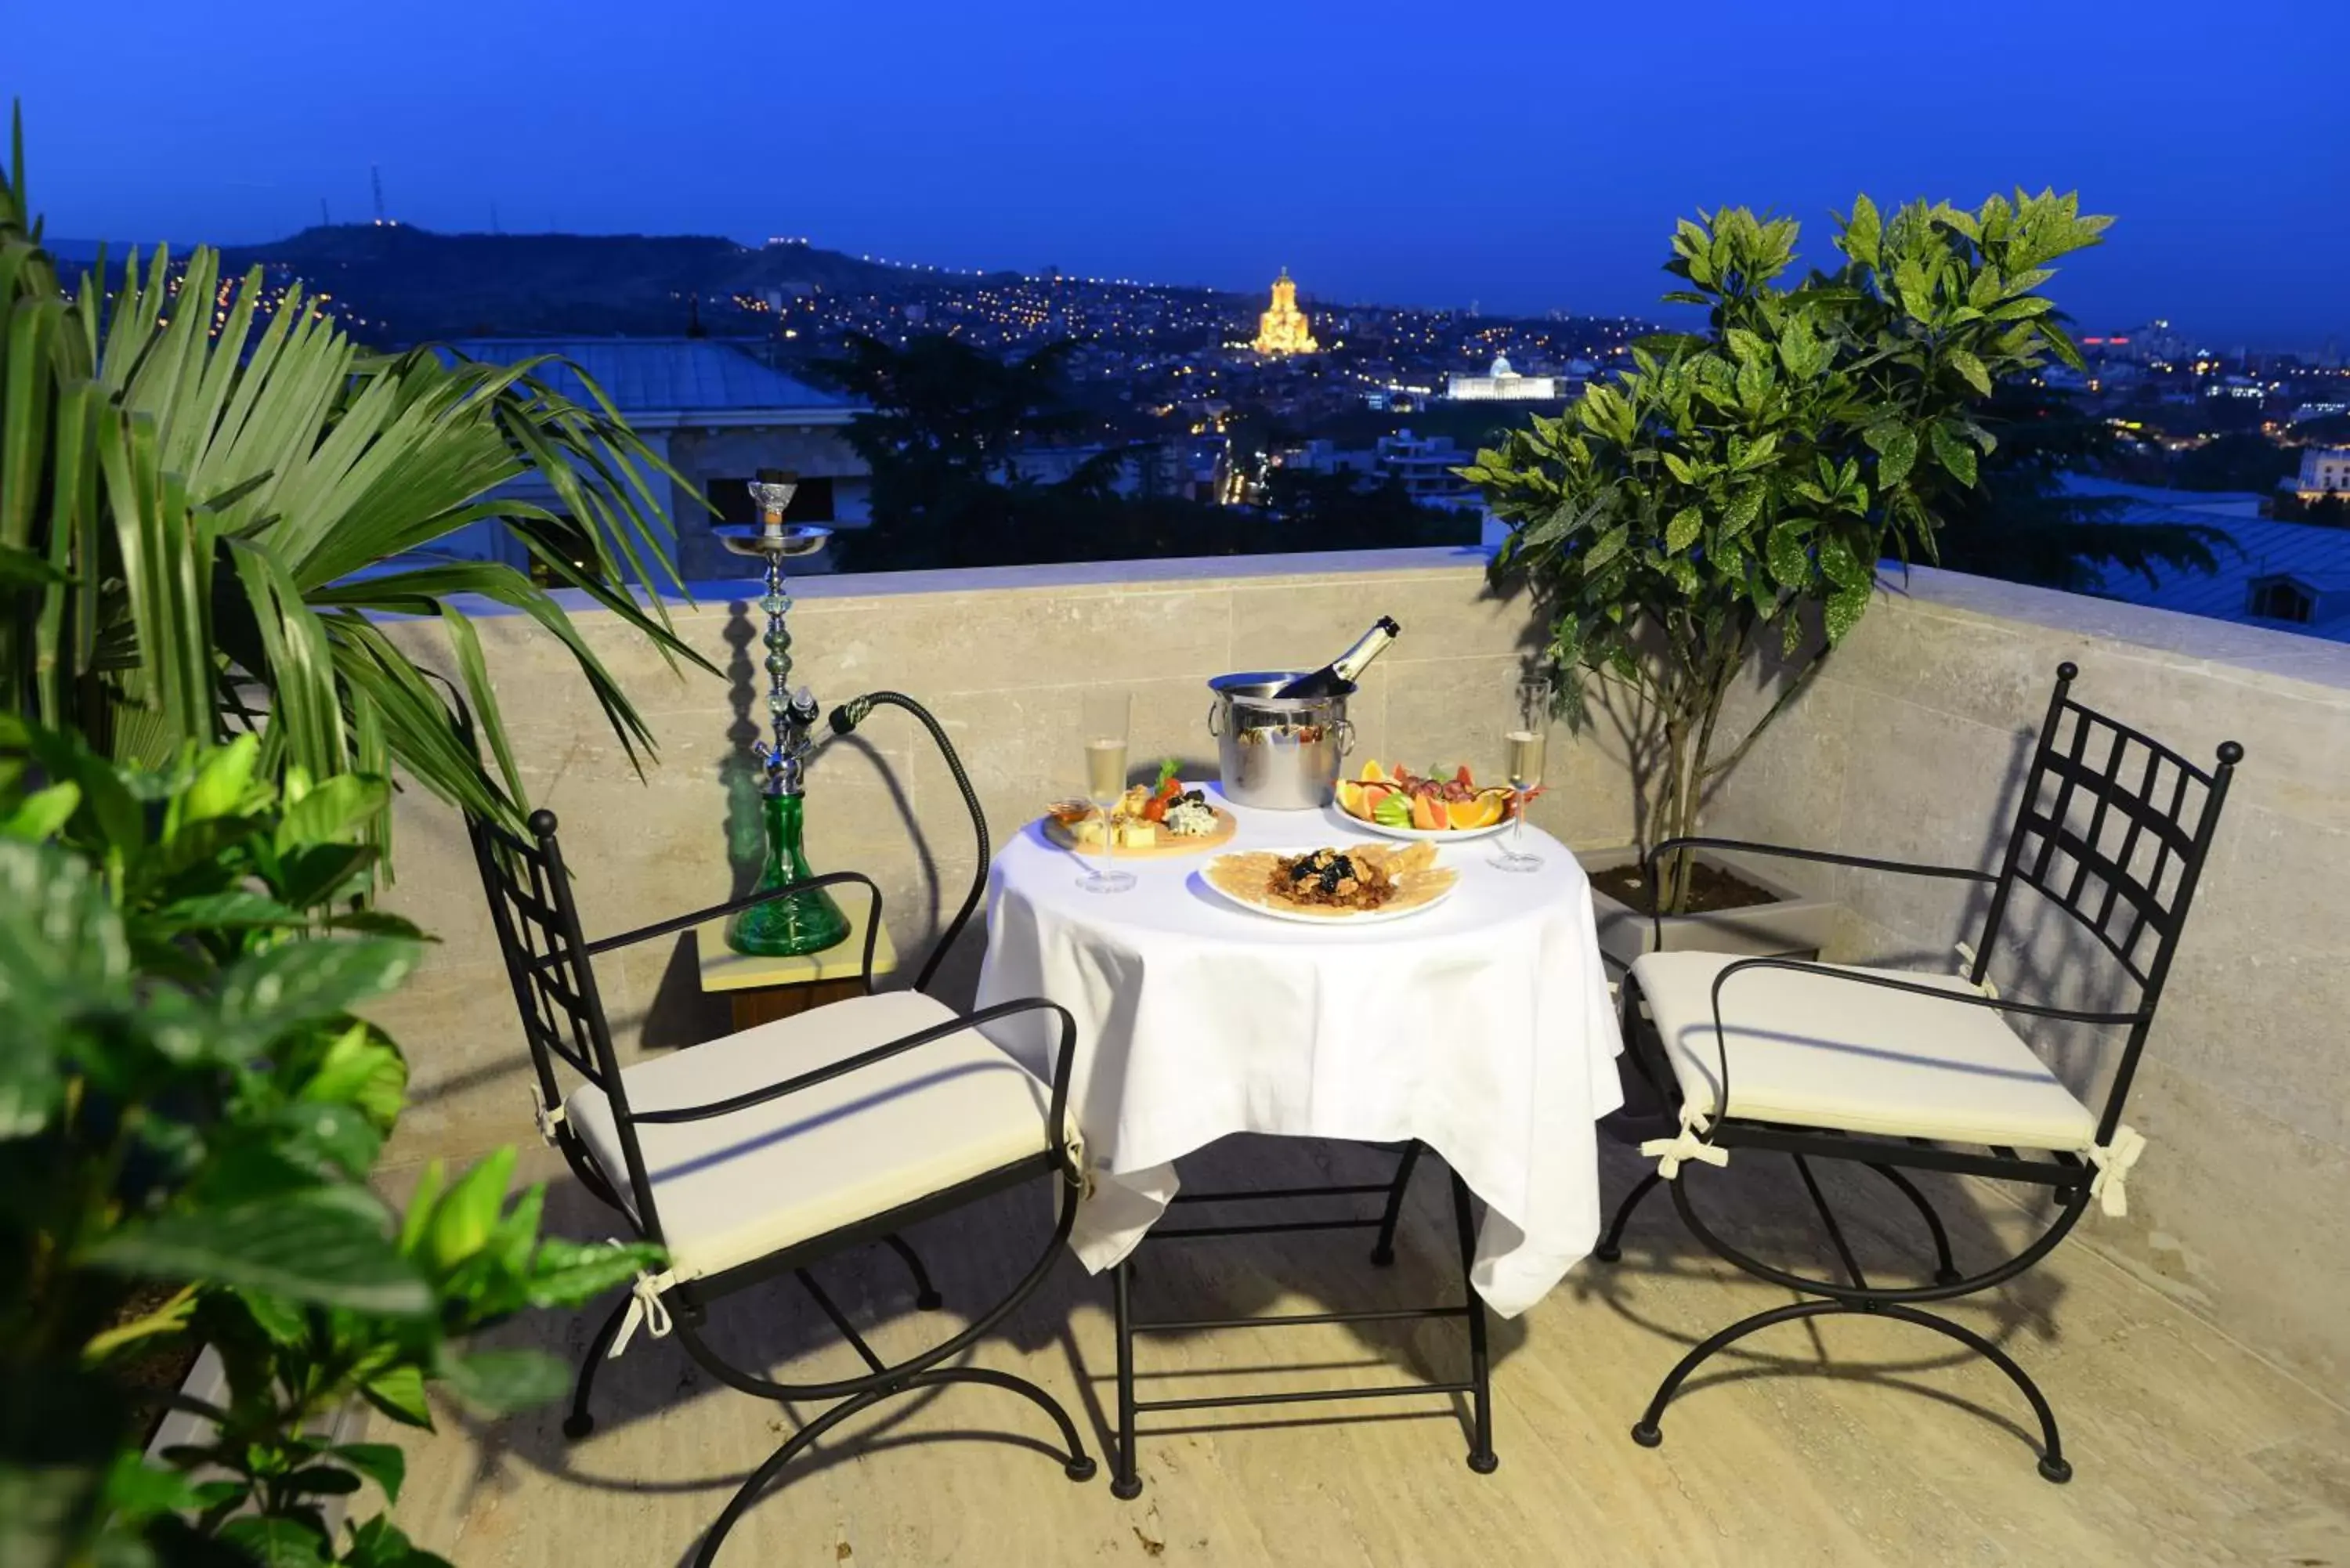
{"x": 1283, "y": 329}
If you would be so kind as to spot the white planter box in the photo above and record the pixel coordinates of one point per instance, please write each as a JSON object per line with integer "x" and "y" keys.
{"x": 1792, "y": 926}
{"x": 207, "y": 1381}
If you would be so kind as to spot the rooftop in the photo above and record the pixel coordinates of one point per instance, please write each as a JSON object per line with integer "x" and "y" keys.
{"x": 649, "y": 377}
{"x": 2194, "y": 1348}
{"x": 2264, "y": 548}
{"x": 2143, "y": 499}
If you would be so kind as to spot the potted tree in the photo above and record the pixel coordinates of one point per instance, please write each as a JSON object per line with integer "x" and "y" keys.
{"x": 1734, "y": 493}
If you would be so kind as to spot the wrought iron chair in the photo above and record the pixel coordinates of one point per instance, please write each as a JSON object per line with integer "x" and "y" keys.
{"x": 1900, "y": 1069}
{"x": 758, "y": 1154}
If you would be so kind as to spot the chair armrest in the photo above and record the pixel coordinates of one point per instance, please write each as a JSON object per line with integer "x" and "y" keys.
{"x": 853, "y": 712}
{"x": 1940, "y": 994}
{"x": 1063, "y": 1061}
{"x": 751, "y": 901}
{"x": 1822, "y": 856}
{"x": 1826, "y": 856}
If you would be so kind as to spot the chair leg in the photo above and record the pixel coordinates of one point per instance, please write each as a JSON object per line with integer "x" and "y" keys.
{"x": 1481, "y": 1457}
{"x": 1383, "y": 1253}
{"x": 1946, "y": 1272}
{"x": 740, "y": 1503}
{"x": 926, "y": 1294}
{"x": 1125, "y": 1482}
{"x": 1610, "y": 1248}
{"x": 1077, "y": 1466}
{"x": 2053, "y": 1465}
{"x": 1645, "y": 1431}
{"x": 1649, "y": 1434}
{"x": 579, "y": 1423}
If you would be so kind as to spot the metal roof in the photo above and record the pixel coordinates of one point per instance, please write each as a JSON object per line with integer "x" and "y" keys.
{"x": 2264, "y": 548}
{"x": 679, "y": 376}
{"x": 2314, "y": 582}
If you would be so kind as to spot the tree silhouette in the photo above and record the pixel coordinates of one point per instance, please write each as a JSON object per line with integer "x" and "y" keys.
{"x": 2019, "y": 524}
{"x": 950, "y": 438}
{"x": 2241, "y": 460}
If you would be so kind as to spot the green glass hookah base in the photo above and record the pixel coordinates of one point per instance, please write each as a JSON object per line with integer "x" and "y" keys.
{"x": 796, "y": 923}
{"x": 805, "y": 922}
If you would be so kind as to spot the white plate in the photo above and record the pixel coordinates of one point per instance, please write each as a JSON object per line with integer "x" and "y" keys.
{"x": 1370, "y": 917}
{"x": 1431, "y": 834}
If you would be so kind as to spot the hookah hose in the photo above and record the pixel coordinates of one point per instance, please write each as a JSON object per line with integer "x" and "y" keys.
{"x": 853, "y": 712}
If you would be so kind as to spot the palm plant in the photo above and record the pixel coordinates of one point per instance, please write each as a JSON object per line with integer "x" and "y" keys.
{"x": 196, "y": 505}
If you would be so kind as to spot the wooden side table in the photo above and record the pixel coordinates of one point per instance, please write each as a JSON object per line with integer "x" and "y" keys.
{"x": 762, "y": 990}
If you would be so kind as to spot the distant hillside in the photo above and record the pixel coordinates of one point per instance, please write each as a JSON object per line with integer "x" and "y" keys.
{"x": 423, "y": 284}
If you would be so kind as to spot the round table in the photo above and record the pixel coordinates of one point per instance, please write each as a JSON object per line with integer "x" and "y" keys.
{"x": 1481, "y": 1027}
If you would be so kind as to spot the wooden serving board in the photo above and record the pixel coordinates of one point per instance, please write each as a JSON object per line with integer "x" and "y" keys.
{"x": 1226, "y": 826}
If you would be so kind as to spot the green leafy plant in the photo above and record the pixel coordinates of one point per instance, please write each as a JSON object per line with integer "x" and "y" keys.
{"x": 1738, "y": 487}
{"x": 189, "y": 1114}
{"x": 202, "y": 517}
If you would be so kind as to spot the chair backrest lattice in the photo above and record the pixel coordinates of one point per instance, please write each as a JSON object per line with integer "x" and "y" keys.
{"x": 554, "y": 990}
{"x": 538, "y": 935}
{"x": 2113, "y": 827}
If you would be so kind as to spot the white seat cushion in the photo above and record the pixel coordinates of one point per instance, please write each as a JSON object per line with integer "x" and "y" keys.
{"x": 1814, "y": 1052}
{"x": 733, "y": 1189}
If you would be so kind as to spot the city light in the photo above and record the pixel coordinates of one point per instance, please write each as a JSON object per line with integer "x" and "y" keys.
{"x": 1194, "y": 358}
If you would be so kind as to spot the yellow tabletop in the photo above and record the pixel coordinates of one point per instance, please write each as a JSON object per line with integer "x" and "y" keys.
{"x": 724, "y": 969}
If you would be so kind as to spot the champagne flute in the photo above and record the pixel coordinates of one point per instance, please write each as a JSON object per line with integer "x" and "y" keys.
{"x": 1524, "y": 763}
{"x": 1106, "y": 718}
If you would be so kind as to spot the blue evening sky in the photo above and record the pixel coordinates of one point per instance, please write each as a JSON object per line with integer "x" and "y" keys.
{"x": 1526, "y": 156}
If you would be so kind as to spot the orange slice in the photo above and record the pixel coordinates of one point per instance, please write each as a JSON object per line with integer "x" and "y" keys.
{"x": 1350, "y": 799}
{"x": 1482, "y": 812}
{"x": 1373, "y": 774}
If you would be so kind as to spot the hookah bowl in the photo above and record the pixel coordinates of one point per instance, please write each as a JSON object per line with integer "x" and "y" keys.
{"x": 807, "y": 921}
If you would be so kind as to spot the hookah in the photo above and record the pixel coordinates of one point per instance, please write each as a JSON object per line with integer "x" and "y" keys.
{"x": 809, "y": 921}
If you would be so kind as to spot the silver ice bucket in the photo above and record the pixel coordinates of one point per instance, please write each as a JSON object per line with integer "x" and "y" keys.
{"x": 1281, "y": 753}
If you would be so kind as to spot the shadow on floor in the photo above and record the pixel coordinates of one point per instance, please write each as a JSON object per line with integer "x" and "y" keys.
{"x": 1759, "y": 1205}
{"x": 976, "y": 1255}
{"x": 979, "y": 1254}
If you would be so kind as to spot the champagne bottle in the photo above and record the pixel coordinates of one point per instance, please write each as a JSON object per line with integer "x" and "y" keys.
{"x": 1347, "y": 668}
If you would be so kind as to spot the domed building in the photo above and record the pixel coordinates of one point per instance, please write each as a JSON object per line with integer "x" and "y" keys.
{"x": 1504, "y": 383}
{"x": 1284, "y": 328}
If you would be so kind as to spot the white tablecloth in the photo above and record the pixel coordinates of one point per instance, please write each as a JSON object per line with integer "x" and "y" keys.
{"x": 1481, "y": 1027}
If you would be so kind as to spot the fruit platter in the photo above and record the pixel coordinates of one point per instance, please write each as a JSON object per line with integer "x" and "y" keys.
{"x": 1355, "y": 885}
{"x": 1402, "y": 804}
{"x": 1161, "y": 818}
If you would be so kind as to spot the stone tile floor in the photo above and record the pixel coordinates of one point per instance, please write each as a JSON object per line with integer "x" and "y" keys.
{"x": 1850, "y": 1440}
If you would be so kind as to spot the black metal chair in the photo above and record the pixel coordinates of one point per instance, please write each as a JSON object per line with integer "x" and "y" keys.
{"x": 1900, "y": 1071}
{"x": 759, "y": 1153}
